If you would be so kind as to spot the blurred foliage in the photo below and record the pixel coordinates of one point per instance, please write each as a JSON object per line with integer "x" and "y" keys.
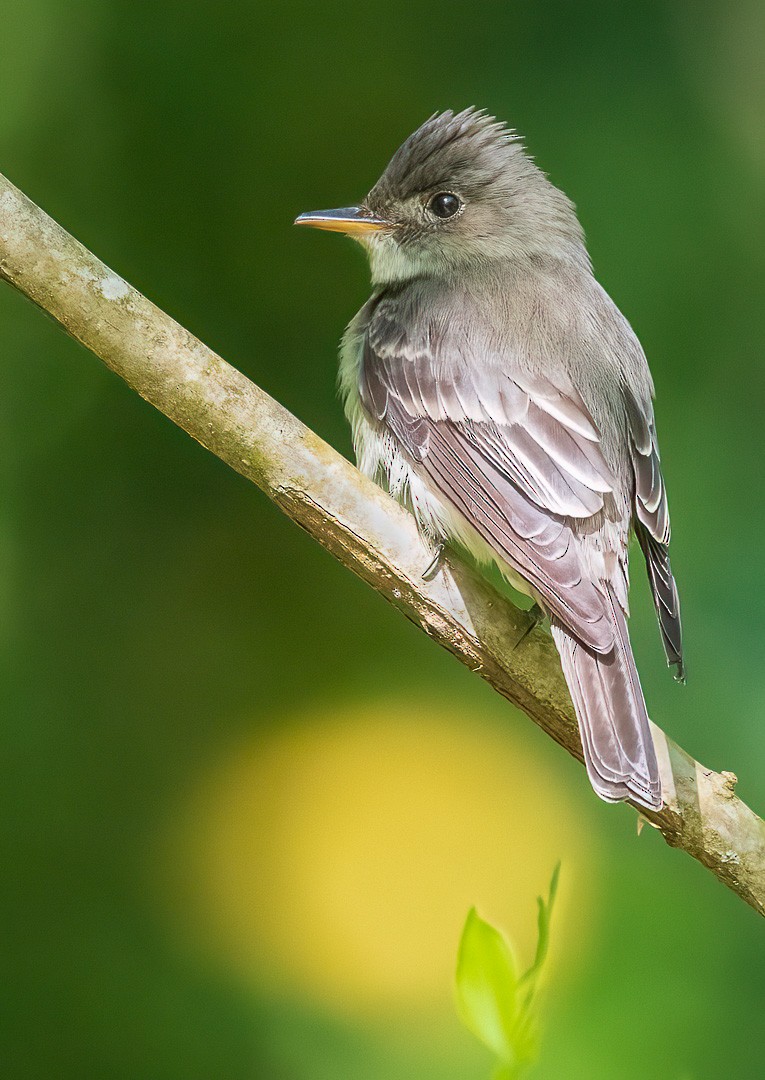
{"x": 163, "y": 627}
{"x": 495, "y": 1002}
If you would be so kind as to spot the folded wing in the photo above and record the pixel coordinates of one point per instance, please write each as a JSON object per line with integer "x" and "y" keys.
{"x": 519, "y": 456}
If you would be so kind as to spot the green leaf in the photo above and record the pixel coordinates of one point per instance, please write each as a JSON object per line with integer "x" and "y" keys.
{"x": 526, "y": 1033}
{"x": 529, "y": 978}
{"x": 507, "y": 1072}
{"x": 487, "y": 984}
{"x": 494, "y": 1003}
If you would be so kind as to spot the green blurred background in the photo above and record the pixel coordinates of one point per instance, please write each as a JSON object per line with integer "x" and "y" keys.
{"x": 246, "y": 806}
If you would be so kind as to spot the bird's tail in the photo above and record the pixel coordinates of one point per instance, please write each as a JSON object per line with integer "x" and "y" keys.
{"x": 613, "y": 721}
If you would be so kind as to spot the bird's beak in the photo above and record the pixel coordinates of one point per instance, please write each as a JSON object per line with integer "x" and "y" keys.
{"x": 353, "y": 220}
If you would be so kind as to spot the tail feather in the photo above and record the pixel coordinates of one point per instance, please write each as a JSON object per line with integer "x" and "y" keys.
{"x": 613, "y": 720}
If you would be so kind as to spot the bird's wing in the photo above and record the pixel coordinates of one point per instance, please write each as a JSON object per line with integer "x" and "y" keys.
{"x": 650, "y": 493}
{"x": 652, "y": 526}
{"x": 518, "y": 456}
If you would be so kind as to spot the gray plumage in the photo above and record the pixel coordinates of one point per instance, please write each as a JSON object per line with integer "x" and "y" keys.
{"x": 495, "y": 388}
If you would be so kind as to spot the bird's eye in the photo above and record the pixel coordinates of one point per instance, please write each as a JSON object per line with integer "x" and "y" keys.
{"x": 445, "y": 204}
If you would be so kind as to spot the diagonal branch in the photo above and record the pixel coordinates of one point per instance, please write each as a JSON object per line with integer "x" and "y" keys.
{"x": 351, "y": 517}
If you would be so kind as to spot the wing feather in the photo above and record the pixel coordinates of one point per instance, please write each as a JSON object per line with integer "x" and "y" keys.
{"x": 650, "y": 494}
{"x": 652, "y": 527}
{"x": 517, "y": 461}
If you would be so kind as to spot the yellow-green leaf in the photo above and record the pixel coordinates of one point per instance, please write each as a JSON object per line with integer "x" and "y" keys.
{"x": 543, "y": 940}
{"x": 487, "y": 983}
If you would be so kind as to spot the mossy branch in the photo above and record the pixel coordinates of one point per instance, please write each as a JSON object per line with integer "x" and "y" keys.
{"x": 351, "y": 517}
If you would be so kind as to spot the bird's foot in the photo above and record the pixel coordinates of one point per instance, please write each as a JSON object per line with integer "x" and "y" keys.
{"x": 435, "y": 564}
{"x": 536, "y": 616}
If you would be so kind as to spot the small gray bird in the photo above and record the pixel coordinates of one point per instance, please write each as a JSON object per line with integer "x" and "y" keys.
{"x": 501, "y": 395}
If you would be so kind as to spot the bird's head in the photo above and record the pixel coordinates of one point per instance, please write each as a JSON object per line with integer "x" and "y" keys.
{"x": 460, "y": 192}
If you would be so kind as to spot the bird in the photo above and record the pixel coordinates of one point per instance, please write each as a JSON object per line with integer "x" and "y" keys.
{"x": 499, "y": 393}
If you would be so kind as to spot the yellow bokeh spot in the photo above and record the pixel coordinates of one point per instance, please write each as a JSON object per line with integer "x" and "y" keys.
{"x": 338, "y": 856}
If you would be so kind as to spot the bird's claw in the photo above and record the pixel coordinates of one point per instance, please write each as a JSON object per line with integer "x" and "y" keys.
{"x": 536, "y": 616}
{"x": 434, "y": 565}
